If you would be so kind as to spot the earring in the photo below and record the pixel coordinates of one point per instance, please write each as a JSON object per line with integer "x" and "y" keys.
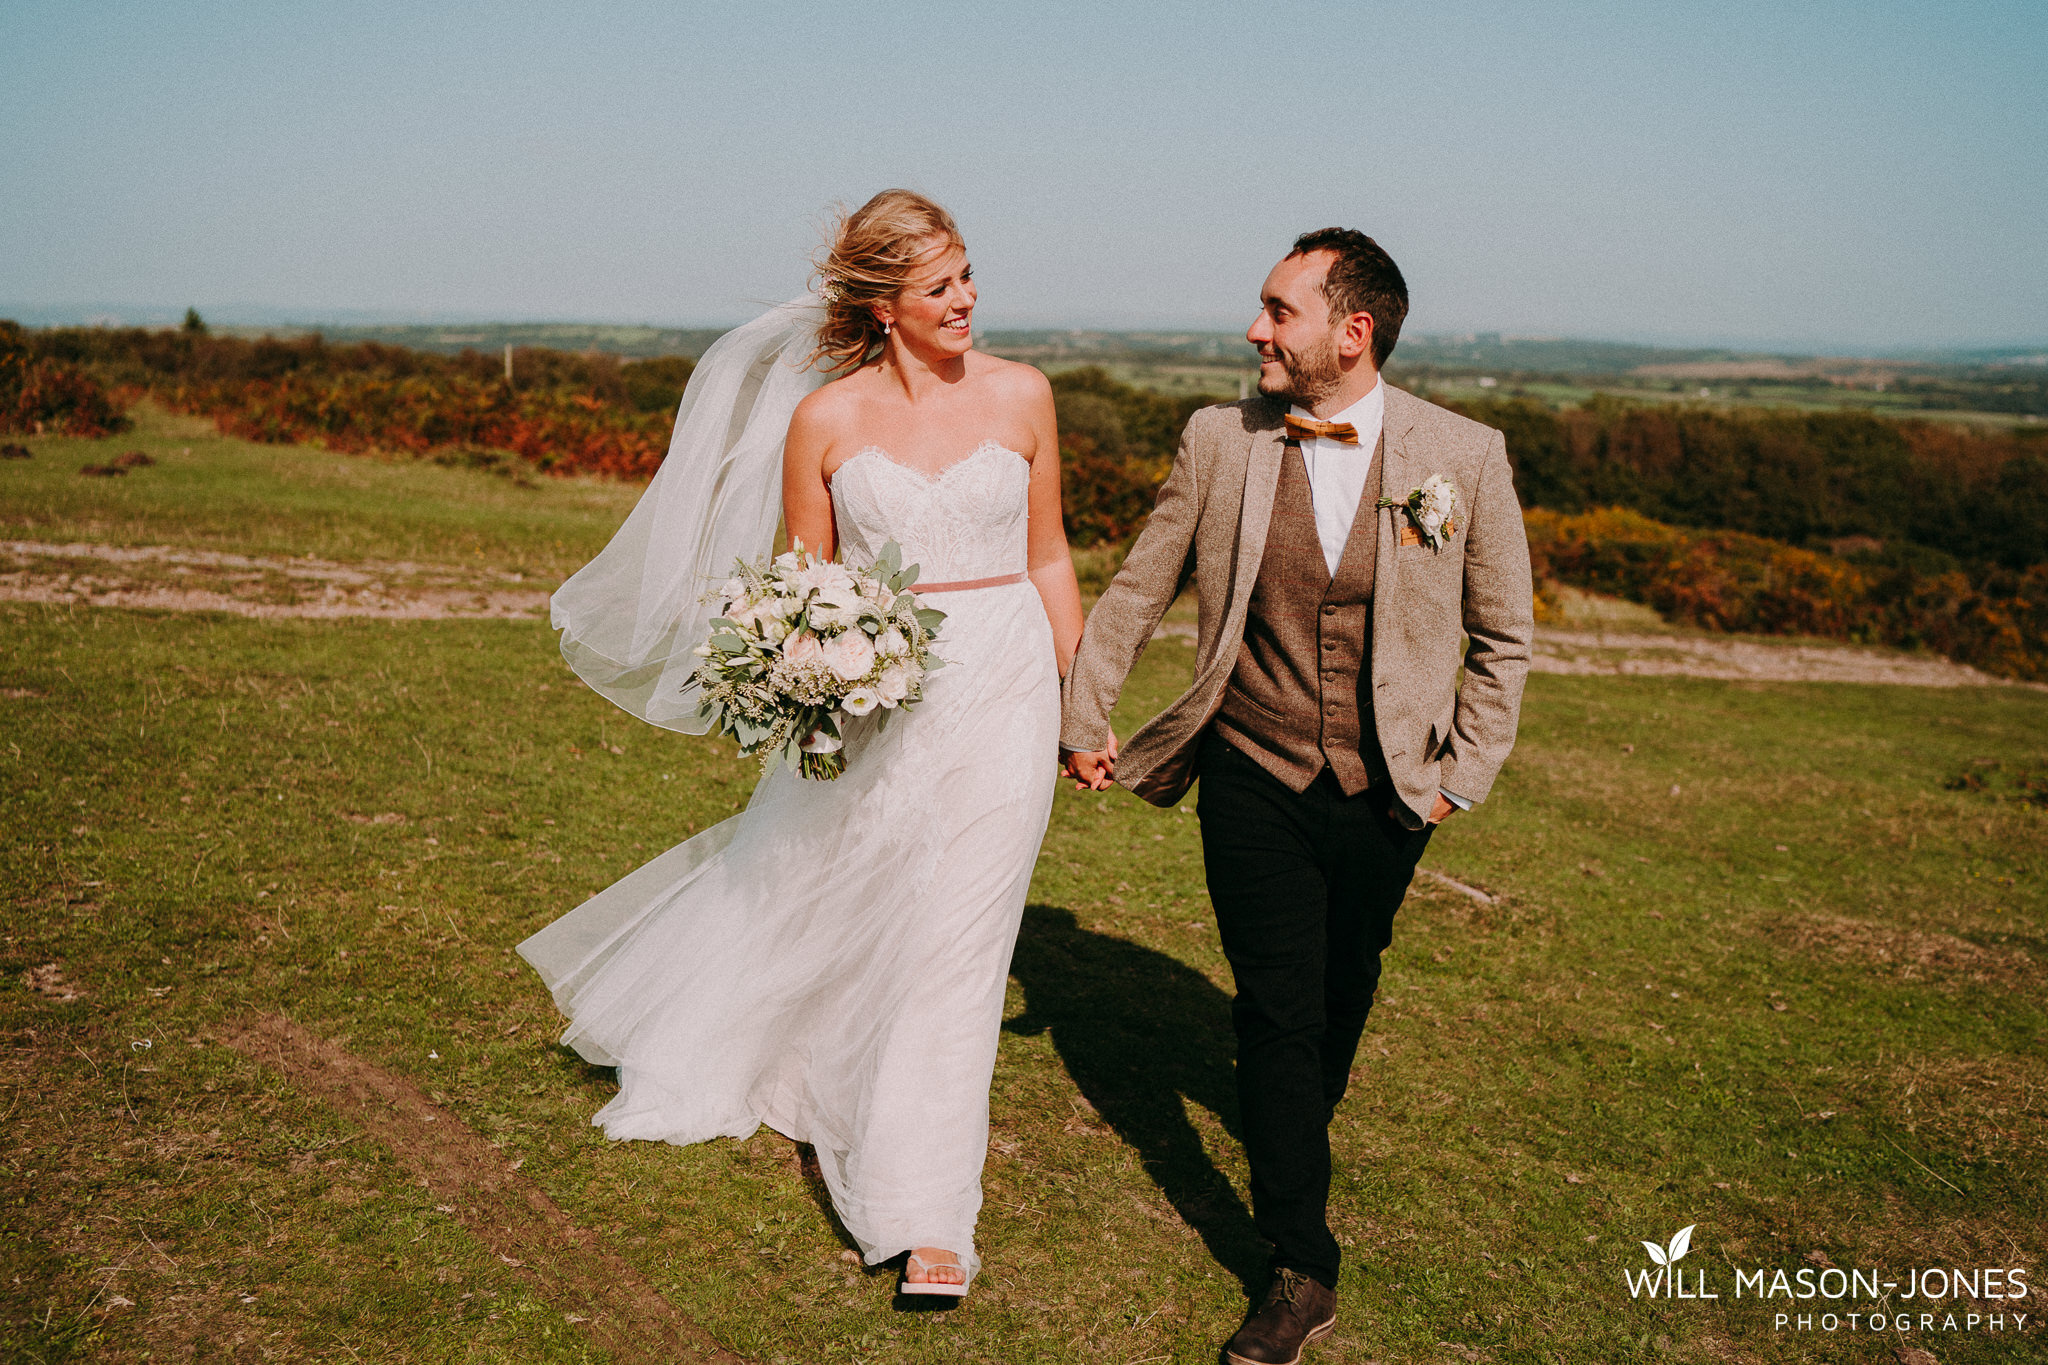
{"x": 885, "y": 329}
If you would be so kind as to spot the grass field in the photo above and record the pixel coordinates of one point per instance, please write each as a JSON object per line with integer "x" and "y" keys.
{"x": 1760, "y": 959}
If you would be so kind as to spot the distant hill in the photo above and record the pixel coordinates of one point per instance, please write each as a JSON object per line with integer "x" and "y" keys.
{"x": 636, "y": 342}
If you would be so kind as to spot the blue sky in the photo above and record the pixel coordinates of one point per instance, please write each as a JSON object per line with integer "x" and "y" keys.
{"x": 1821, "y": 175}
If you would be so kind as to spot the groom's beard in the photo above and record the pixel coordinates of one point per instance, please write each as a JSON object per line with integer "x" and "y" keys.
{"x": 1311, "y": 375}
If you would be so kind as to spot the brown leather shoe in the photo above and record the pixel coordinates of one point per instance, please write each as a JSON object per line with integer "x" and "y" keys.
{"x": 1298, "y": 1309}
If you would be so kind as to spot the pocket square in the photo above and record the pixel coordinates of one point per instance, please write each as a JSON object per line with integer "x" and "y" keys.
{"x": 1410, "y": 536}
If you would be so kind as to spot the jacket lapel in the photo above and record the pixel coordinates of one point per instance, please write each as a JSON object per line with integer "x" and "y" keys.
{"x": 1397, "y": 477}
{"x": 1255, "y": 520}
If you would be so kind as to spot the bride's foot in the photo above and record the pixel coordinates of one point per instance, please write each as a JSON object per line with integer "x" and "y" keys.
{"x": 934, "y": 1270}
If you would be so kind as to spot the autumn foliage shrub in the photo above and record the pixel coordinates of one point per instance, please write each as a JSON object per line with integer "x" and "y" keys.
{"x": 565, "y": 412}
{"x": 1117, "y": 444}
{"x": 1804, "y": 478}
{"x": 1994, "y": 618}
{"x": 40, "y": 395}
{"x": 566, "y": 432}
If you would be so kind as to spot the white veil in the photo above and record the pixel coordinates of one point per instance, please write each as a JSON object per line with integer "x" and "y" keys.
{"x": 630, "y": 617}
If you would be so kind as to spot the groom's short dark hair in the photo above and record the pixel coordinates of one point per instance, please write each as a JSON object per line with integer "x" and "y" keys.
{"x": 1363, "y": 279}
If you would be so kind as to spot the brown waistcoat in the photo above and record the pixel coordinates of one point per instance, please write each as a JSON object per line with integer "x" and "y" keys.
{"x": 1300, "y": 697}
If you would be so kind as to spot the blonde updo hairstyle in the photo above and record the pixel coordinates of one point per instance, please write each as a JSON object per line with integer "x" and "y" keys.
{"x": 870, "y": 257}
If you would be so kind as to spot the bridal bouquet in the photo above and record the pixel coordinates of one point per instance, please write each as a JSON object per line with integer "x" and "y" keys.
{"x": 801, "y": 643}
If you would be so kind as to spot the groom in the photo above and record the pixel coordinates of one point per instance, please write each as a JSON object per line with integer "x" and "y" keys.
{"x": 1338, "y": 713}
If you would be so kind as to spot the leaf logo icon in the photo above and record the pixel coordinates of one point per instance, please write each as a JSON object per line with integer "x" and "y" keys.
{"x": 1681, "y": 1242}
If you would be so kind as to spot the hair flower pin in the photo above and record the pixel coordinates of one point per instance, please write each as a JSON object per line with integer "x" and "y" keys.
{"x": 832, "y": 290}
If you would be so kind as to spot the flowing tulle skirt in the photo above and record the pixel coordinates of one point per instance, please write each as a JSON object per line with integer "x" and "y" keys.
{"x": 831, "y": 962}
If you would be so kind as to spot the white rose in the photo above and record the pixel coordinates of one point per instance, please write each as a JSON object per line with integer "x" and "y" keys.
{"x": 850, "y": 655}
{"x": 860, "y": 701}
{"x": 836, "y": 607}
{"x": 822, "y": 575}
{"x": 890, "y": 644}
{"x": 803, "y": 648}
{"x": 773, "y": 628}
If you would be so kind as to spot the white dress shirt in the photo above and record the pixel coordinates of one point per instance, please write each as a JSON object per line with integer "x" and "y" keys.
{"x": 1338, "y": 473}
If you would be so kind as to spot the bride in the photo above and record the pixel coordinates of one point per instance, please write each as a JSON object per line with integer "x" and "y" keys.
{"x": 831, "y": 962}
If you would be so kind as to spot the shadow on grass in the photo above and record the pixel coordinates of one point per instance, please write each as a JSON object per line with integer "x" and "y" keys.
{"x": 1141, "y": 1032}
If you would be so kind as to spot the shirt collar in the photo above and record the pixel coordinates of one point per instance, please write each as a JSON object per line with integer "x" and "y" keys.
{"x": 1369, "y": 411}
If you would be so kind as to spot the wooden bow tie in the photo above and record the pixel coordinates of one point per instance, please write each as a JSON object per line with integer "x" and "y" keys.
{"x": 1303, "y": 428}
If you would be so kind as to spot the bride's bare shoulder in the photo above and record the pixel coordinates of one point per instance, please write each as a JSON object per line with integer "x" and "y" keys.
{"x": 1011, "y": 379}
{"x": 827, "y": 408}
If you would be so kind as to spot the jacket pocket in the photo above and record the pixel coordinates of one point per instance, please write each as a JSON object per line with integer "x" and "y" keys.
{"x": 1233, "y": 694}
{"x": 1440, "y": 733}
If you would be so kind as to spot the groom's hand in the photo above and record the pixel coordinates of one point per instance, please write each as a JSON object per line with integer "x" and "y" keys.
{"x": 1093, "y": 771}
{"x": 1442, "y": 810}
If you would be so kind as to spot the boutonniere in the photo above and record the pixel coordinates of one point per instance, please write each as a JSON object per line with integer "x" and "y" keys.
{"x": 1432, "y": 510}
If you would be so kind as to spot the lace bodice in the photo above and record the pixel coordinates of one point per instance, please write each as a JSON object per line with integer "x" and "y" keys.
{"x": 968, "y": 521}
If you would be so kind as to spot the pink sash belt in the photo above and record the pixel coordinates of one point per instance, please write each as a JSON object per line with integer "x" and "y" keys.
{"x": 962, "y": 585}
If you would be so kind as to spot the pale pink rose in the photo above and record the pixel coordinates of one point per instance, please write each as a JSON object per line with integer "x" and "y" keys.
{"x": 803, "y": 648}
{"x": 890, "y": 644}
{"x": 850, "y": 655}
{"x": 894, "y": 685}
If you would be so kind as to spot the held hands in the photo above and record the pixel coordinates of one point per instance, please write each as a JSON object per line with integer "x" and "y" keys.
{"x": 1094, "y": 771}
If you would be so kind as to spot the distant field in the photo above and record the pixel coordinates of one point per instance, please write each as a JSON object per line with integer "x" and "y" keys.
{"x": 1761, "y": 959}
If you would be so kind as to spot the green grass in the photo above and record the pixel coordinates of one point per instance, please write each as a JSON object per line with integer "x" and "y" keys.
{"x": 1794, "y": 1001}
{"x": 212, "y": 492}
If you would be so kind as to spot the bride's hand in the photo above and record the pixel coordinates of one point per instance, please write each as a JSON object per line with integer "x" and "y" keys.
{"x": 1094, "y": 770}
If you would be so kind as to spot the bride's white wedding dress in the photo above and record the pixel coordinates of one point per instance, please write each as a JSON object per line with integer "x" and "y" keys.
{"x": 831, "y": 962}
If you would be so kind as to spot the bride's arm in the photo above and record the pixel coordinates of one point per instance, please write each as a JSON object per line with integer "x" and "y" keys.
{"x": 806, "y": 495}
{"x": 1052, "y": 567}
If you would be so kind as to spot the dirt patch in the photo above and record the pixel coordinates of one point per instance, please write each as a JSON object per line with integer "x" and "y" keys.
{"x": 1624, "y": 641}
{"x": 48, "y": 982}
{"x": 165, "y": 578}
{"x": 509, "y": 1214}
{"x": 1744, "y": 660}
{"x": 1971, "y": 1109}
{"x": 1905, "y": 954}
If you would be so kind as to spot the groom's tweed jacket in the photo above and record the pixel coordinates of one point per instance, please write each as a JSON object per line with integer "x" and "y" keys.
{"x": 1211, "y": 525}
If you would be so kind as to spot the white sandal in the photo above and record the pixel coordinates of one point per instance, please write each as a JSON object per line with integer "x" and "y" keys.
{"x": 939, "y": 1287}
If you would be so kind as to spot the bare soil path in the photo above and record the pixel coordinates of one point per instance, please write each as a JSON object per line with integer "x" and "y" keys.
{"x": 168, "y": 578}
{"x": 1602, "y": 636}
{"x": 1646, "y": 653}
{"x": 529, "y": 1232}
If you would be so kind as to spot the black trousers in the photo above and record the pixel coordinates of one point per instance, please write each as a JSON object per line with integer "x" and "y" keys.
{"x": 1305, "y": 889}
